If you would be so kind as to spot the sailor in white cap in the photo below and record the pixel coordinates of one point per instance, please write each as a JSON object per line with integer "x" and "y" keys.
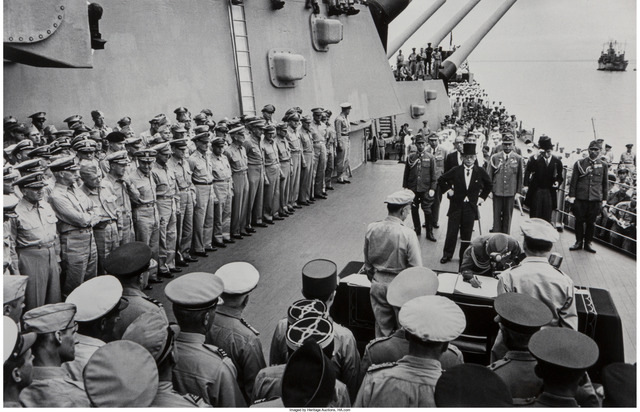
{"x": 343, "y": 128}
{"x": 17, "y": 360}
{"x": 13, "y": 295}
{"x": 230, "y": 331}
{"x": 410, "y": 283}
{"x": 431, "y": 322}
{"x": 536, "y": 277}
{"x": 389, "y": 247}
{"x": 202, "y": 369}
{"x": 98, "y": 302}
{"x": 52, "y": 386}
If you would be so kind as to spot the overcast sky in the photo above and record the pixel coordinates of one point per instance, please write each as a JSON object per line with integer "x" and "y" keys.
{"x": 532, "y": 29}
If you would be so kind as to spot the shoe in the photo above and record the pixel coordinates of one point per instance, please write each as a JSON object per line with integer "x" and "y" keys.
{"x": 588, "y": 248}
{"x": 342, "y": 182}
{"x": 575, "y": 246}
{"x": 182, "y": 263}
{"x": 348, "y": 181}
{"x": 189, "y": 259}
{"x": 312, "y": 200}
{"x": 249, "y": 230}
{"x": 239, "y": 237}
{"x": 245, "y": 234}
{"x": 304, "y": 203}
{"x": 201, "y": 254}
{"x": 436, "y": 226}
{"x": 175, "y": 270}
{"x": 278, "y": 218}
{"x": 330, "y": 188}
{"x": 260, "y": 225}
{"x": 230, "y": 241}
{"x": 297, "y": 206}
{"x": 219, "y": 244}
{"x": 445, "y": 259}
{"x": 325, "y": 194}
{"x": 210, "y": 249}
{"x": 166, "y": 275}
{"x": 352, "y": 11}
{"x": 430, "y": 236}
{"x": 492, "y": 231}
{"x": 321, "y": 197}
{"x": 155, "y": 280}
{"x": 270, "y": 222}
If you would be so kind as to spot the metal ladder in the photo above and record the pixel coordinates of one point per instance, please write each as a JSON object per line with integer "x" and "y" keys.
{"x": 243, "y": 59}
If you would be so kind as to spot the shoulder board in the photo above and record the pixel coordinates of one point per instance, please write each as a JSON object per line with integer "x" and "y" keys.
{"x": 498, "y": 364}
{"x": 376, "y": 340}
{"x": 381, "y": 366}
{"x": 273, "y": 398}
{"x": 152, "y": 300}
{"x": 251, "y": 328}
{"x": 218, "y": 351}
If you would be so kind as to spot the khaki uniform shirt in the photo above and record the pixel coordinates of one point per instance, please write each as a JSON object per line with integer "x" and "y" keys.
{"x": 284, "y": 152}
{"x": 200, "y": 165}
{"x": 237, "y": 157}
{"x": 35, "y": 224}
{"x": 139, "y": 303}
{"x": 254, "y": 151}
{"x": 165, "y": 178}
{"x": 293, "y": 137}
{"x": 390, "y": 246}
{"x": 119, "y": 186}
{"x": 182, "y": 172}
{"x": 53, "y": 388}
{"x": 342, "y": 126}
{"x": 72, "y": 207}
{"x": 85, "y": 347}
{"x": 104, "y": 201}
{"x": 221, "y": 169}
{"x": 142, "y": 189}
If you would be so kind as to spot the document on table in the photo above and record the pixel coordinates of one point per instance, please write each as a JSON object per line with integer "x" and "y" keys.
{"x": 447, "y": 282}
{"x": 357, "y": 279}
{"x": 488, "y": 289}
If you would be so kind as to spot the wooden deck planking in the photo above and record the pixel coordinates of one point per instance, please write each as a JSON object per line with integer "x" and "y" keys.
{"x": 334, "y": 229}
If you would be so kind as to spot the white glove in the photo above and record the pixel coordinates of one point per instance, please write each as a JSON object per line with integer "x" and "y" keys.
{"x": 432, "y": 193}
{"x": 480, "y": 201}
{"x": 450, "y": 193}
{"x": 571, "y": 199}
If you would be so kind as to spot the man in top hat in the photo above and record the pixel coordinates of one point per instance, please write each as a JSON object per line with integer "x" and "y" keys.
{"x": 142, "y": 193}
{"x": 588, "y": 192}
{"x": 295, "y": 145}
{"x": 343, "y": 128}
{"x": 166, "y": 190}
{"x": 273, "y": 175}
{"x": 319, "y": 281}
{"x": 231, "y": 332}
{"x": 118, "y": 163}
{"x": 201, "y": 168}
{"x": 563, "y": 357}
{"x": 628, "y": 159}
{"x": 505, "y": 170}
{"x": 318, "y": 138}
{"x": 439, "y": 154}
{"x": 202, "y": 369}
{"x": 130, "y": 264}
{"x": 270, "y": 381}
{"x": 151, "y": 331}
{"x": 410, "y": 283}
{"x": 13, "y": 296}
{"x": 186, "y": 194}
{"x": 267, "y": 114}
{"x": 17, "y": 362}
{"x": 98, "y": 302}
{"x": 420, "y": 177}
{"x": 76, "y": 217}
{"x": 389, "y": 248}
{"x": 237, "y": 157}
{"x": 284, "y": 158}
{"x": 255, "y": 173}
{"x": 52, "y": 386}
{"x": 38, "y": 119}
{"x": 101, "y": 194}
{"x": 468, "y": 186}
{"x": 543, "y": 176}
{"x": 36, "y": 237}
{"x": 431, "y": 322}
{"x": 471, "y": 385}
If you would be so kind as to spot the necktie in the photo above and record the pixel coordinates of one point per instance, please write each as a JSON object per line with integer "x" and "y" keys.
{"x": 468, "y": 172}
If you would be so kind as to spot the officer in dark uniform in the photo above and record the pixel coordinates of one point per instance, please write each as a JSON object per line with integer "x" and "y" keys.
{"x": 130, "y": 263}
{"x": 202, "y": 369}
{"x": 471, "y": 385}
{"x": 488, "y": 254}
{"x": 588, "y": 192}
{"x": 439, "y": 153}
{"x": 421, "y": 178}
{"x": 231, "y": 332}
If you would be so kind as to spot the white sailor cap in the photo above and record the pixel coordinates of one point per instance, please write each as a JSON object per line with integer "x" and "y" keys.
{"x": 238, "y": 277}
{"x": 95, "y": 297}
{"x": 411, "y": 283}
{"x": 345, "y": 105}
{"x": 432, "y": 318}
{"x": 539, "y": 229}
{"x": 401, "y": 197}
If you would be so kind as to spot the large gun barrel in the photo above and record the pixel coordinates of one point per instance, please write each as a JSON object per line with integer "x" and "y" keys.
{"x": 450, "y": 65}
{"x": 412, "y": 27}
{"x": 436, "y": 38}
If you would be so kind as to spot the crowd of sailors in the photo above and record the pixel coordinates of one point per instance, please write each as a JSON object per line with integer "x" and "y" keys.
{"x": 420, "y": 65}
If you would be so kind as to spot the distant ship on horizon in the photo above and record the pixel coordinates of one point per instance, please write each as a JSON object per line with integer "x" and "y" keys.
{"x": 612, "y": 60}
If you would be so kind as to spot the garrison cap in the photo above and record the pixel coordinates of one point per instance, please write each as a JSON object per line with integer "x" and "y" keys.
{"x": 13, "y": 287}
{"x": 306, "y": 308}
{"x": 96, "y": 297}
{"x": 25, "y": 144}
{"x": 281, "y": 126}
{"x": 522, "y": 313}
{"x": 30, "y": 166}
{"x": 269, "y": 128}
{"x": 120, "y": 157}
{"x": 238, "y": 277}
{"x": 116, "y": 137}
{"x": 539, "y": 229}
{"x": 15, "y": 344}
{"x": 151, "y": 331}
{"x": 269, "y": 108}
{"x": 96, "y": 113}
{"x": 145, "y": 155}
{"x": 401, "y": 197}
{"x": 180, "y": 143}
{"x": 471, "y": 385}
{"x": 65, "y": 163}
{"x": 564, "y": 347}
{"x": 201, "y": 129}
{"x": 201, "y": 137}
{"x": 41, "y": 151}
{"x": 619, "y": 383}
{"x": 309, "y": 378}
{"x": 594, "y": 144}
{"x": 411, "y": 283}
{"x": 345, "y": 105}
{"x": 132, "y": 140}
{"x": 468, "y": 149}
{"x": 38, "y": 115}
{"x": 9, "y": 204}
{"x": 195, "y": 291}
{"x": 432, "y": 318}
{"x": 128, "y": 260}
{"x": 607, "y": 146}
{"x": 85, "y": 145}
{"x": 319, "y": 279}
{"x": 236, "y": 130}
{"x": 121, "y": 374}
{"x": 49, "y": 318}
{"x": 162, "y": 148}
{"x": 73, "y": 119}
{"x": 316, "y": 328}
{"x": 420, "y": 139}
{"x": 125, "y": 121}
{"x": 180, "y": 110}
{"x": 32, "y": 181}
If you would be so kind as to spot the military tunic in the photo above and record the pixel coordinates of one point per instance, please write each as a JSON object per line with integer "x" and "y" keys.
{"x": 53, "y": 388}
{"x": 85, "y": 347}
{"x": 139, "y": 303}
{"x": 205, "y": 371}
{"x": 167, "y": 397}
{"x": 506, "y": 173}
{"x": 420, "y": 177}
{"x": 237, "y": 157}
{"x": 410, "y": 382}
{"x": 590, "y": 186}
{"x": 439, "y": 154}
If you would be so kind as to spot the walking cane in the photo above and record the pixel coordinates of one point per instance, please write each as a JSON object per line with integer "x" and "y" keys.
{"x": 479, "y": 224}
{"x": 519, "y": 204}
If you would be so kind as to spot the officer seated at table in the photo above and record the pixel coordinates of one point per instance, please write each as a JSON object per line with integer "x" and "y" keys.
{"x": 489, "y": 254}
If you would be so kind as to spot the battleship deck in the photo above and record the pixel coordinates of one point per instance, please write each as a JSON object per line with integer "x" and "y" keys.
{"x": 334, "y": 229}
